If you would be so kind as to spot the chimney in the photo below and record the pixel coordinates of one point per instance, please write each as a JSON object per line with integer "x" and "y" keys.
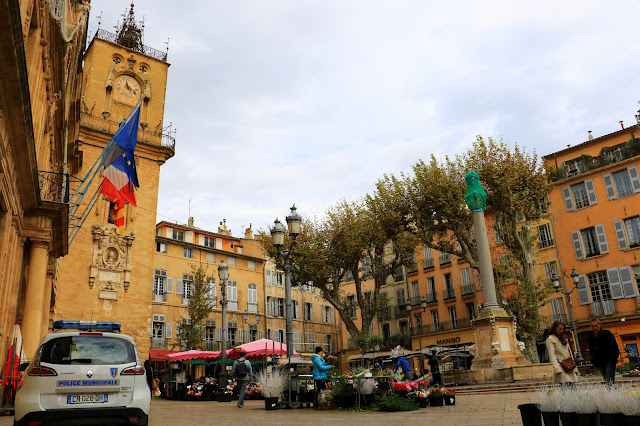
{"x": 190, "y": 222}
{"x": 622, "y": 124}
{"x": 590, "y": 135}
{"x": 248, "y": 233}
{"x": 222, "y": 229}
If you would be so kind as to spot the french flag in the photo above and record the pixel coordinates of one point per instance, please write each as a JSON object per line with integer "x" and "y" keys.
{"x": 120, "y": 175}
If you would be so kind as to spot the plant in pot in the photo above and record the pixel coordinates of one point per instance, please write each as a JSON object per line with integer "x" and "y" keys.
{"x": 628, "y": 401}
{"x": 436, "y": 399}
{"x": 567, "y": 405}
{"x": 548, "y": 403}
{"x": 272, "y": 384}
{"x": 421, "y": 397}
{"x": 606, "y": 400}
{"x": 394, "y": 402}
{"x": 586, "y": 408}
{"x": 449, "y": 396}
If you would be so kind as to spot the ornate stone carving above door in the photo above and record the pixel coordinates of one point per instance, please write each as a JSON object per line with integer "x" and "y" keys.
{"x": 111, "y": 260}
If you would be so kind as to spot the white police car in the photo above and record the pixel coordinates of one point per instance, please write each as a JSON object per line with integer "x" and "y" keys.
{"x": 91, "y": 376}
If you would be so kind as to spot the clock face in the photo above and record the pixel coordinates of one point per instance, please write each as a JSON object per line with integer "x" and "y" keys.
{"x": 127, "y": 90}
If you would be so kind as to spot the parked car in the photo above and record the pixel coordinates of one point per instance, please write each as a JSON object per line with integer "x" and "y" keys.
{"x": 90, "y": 376}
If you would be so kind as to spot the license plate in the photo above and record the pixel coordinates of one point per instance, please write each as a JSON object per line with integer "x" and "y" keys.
{"x": 87, "y": 399}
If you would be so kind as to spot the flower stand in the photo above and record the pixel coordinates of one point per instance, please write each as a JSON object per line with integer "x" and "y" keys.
{"x": 450, "y": 400}
{"x": 590, "y": 419}
{"x": 422, "y": 402}
{"x": 568, "y": 418}
{"x": 530, "y": 414}
{"x": 551, "y": 418}
{"x": 436, "y": 401}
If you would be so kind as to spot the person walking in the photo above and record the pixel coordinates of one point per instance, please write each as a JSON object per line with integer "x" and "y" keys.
{"x": 320, "y": 369}
{"x": 604, "y": 351}
{"x": 242, "y": 372}
{"x": 434, "y": 367}
{"x": 560, "y": 355}
{"x": 149, "y": 373}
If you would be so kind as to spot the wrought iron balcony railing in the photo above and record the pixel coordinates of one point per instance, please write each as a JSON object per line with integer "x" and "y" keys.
{"x": 428, "y": 263}
{"x": 145, "y": 50}
{"x": 384, "y": 314}
{"x": 449, "y": 293}
{"x": 606, "y": 307}
{"x": 108, "y": 126}
{"x": 159, "y": 297}
{"x": 432, "y": 297}
{"x": 445, "y": 259}
{"x": 468, "y": 289}
{"x": 54, "y": 187}
{"x": 400, "y": 311}
{"x": 158, "y": 343}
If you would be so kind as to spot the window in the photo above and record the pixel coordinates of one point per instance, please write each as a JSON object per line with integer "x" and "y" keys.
{"x": 428, "y": 258}
{"x": 252, "y": 298}
{"x": 209, "y": 242}
{"x": 188, "y": 252}
{"x": 232, "y": 295}
{"x": 434, "y": 320}
{"x": 327, "y": 314}
{"x": 448, "y": 283}
{"x": 404, "y": 328}
{"x": 636, "y": 276}
{"x": 415, "y": 293}
{"x": 622, "y": 183}
{"x": 453, "y": 317}
{"x": 211, "y": 257}
{"x": 574, "y": 167}
{"x": 386, "y": 332}
{"x": 161, "y": 247}
{"x": 187, "y": 285}
{"x": 497, "y": 230}
{"x": 268, "y": 279}
{"x": 231, "y": 261}
{"x": 160, "y": 285}
{"x": 557, "y": 310}
{"x": 178, "y": 235}
{"x": 275, "y": 306}
{"x": 471, "y": 310}
{"x": 279, "y": 278}
{"x": 251, "y": 265}
{"x": 311, "y": 338}
{"x": 366, "y": 268}
{"x": 590, "y": 242}
{"x": 232, "y": 333}
{"x": 550, "y": 268}
{"x": 599, "y": 285}
{"x": 400, "y": 299}
{"x": 466, "y": 277}
{"x": 348, "y": 276}
{"x": 308, "y": 312}
{"x": 544, "y": 236}
{"x": 296, "y": 310}
{"x": 211, "y": 293}
{"x": 159, "y": 331}
{"x": 580, "y": 195}
{"x": 632, "y": 225}
{"x": 353, "y": 304}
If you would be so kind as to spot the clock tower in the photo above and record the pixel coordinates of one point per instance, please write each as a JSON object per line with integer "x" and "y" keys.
{"x": 108, "y": 275}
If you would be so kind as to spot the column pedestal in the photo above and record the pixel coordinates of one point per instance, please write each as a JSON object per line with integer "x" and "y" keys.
{"x": 496, "y": 345}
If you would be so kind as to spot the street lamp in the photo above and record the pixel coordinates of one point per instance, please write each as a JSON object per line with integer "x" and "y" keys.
{"x": 418, "y": 316}
{"x": 223, "y": 274}
{"x": 251, "y": 325}
{"x": 294, "y": 221}
{"x": 575, "y": 278}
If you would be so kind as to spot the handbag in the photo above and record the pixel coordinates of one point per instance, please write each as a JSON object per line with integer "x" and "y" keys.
{"x": 568, "y": 364}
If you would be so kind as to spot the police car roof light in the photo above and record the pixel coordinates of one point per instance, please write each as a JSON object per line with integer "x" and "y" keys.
{"x": 86, "y": 325}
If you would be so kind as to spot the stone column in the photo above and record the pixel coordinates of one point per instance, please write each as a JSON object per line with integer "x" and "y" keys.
{"x": 46, "y": 305}
{"x": 484, "y": 262}
{"x": 34, "y": 296}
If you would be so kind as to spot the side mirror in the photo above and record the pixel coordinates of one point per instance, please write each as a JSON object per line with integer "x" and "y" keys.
{"x": 23, "y": 366}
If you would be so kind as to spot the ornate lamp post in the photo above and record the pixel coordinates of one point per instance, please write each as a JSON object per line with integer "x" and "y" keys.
{"x": 294, "y": 221}
{"x": 223, "y": 274}
{"x": 252, "y": 325}
{"x": 575, "y": 278}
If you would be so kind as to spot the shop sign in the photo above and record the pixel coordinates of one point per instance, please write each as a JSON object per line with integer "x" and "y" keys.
{"x": 448, "y": 341}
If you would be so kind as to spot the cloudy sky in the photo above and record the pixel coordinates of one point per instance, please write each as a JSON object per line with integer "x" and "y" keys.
{"x": 311, "y": 101}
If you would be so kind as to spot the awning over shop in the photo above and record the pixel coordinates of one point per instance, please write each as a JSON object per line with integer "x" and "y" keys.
{"x": 197, "y": 355}
{"x": 159, "y": 355}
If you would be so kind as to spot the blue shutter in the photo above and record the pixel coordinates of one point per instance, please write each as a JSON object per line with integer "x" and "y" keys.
{"x": 602, "y": 239}
{"x": 635, "y": 179}
{"x": 591, "y": 191}
{"x": 583, "y": 291}
{"x": 608, "y": 184}
{"x": 568, "y": 201}
{"x": 622, "y": 239}
{"x": 577, "y": 244}
{"x": 614, "y": 283}
{"x": 627, "y": 281}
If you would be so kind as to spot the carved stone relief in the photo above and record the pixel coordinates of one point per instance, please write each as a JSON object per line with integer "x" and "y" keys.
{"x": 111, "y": 260}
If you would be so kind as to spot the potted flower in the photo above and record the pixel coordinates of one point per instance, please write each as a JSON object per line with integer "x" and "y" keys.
{"x": 548, "y": 403}
{"x": 436, "y": 399}
{"x": 272, "y": 384}
{"x": 331, "y": 360}
{"x": 449, "y": 396}
{"x": 421, "y": 397}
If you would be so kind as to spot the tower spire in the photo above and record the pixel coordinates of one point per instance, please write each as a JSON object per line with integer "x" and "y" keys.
{"x": 130, "y": 33}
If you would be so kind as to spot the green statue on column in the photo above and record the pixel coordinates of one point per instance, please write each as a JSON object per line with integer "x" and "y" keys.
{"x": 476, "y": 198}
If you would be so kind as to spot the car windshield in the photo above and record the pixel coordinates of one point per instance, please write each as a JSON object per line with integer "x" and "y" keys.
{"x": 94, "y": 350}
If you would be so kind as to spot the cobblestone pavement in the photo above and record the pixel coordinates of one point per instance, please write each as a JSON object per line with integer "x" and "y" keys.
{"x": 470, "y": 410}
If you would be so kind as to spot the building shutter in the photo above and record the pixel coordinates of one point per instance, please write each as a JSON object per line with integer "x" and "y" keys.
{"x": 296, "y": 341}
{"x": 568, "y": 201}
{"x": 239, "y": 335}
{"x": 602, "y": 239}
{"x": 614, "y": 283}
{"x": 577, "y": 244}
{"x": 627, "y": 282}
{"x": 201, "y": 240}
{"x": 168, "y": 331}
{"x": 635, "y": 180}
{"x": 608, "y": 184}
{"x": 622, "y": 240}
{"x": 179, "y": 287}
{"x": 591, "y": 191}
{"x": 583, "y": 291}
{"x": 247, "y": 335}
{"x": 218, "y": 334}
{"x": 259, "y": 334}
{"x": 169, "y": 285}
{"x": 333, "y": 315}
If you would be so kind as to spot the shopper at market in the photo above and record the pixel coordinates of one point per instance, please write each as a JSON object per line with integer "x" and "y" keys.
{"x": 560, "y": 355}
{"x": 435, "y": 368}
{"x": 604, "y": 351}
{"x": 403, "y": 365}
{"x": 320, "y": 369}
{"x": 242, "y": 372}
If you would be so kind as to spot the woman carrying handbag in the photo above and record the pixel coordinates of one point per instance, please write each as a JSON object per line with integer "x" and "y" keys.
{"x": 565, "y": 369}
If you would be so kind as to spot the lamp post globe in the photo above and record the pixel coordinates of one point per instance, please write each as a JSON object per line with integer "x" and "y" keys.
{"x": 423, "y": 303}
{"x": 277, "y": 234}
{"x": 293, "y": 222}
{"x": 575, "y": 277}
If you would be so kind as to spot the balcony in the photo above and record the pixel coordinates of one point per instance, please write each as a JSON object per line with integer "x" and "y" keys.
{"x": 412, "y": 269}
{"x": 146, "y": 50}
{"x": 158, "y": 343}
{"x": 416, "y": 300}
{"x": 54, "y": 187}
{"x": 443, "y": 326}
{"x": 449, "y": 294}
{"x": 606, "y": 307}
{"x": 468, "y": 290}
{"x": 400, "y": 310}
{"x": 384, "y": 314}
{"x": 432, "y": 298}
{"x": 445, "y": 259}
{"x": 427, "y": 263}
{"x": 159, "y": 297}
{"x": 103, "y": 124}
{"x": 211, "y": 345}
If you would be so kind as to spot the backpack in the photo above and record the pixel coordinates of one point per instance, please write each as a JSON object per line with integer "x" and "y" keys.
{"x": 241, "y": 369}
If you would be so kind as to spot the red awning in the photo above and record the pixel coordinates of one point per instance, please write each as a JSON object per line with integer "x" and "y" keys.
{"x": 159, "y": 355}
{"x": 260, "y": 348}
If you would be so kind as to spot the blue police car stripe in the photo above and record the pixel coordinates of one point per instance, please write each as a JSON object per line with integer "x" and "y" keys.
{"x": 67, "y": 383}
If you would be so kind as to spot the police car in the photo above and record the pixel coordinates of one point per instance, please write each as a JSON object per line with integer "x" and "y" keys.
{"x": 90, "y": 376}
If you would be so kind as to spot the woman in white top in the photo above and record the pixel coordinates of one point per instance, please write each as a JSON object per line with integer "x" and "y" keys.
{"x": 559, "y": 349}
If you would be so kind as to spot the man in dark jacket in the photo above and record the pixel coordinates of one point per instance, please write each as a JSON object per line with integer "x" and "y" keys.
{"x": 604, "y": 351}
{"x": 435, "y": 368}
